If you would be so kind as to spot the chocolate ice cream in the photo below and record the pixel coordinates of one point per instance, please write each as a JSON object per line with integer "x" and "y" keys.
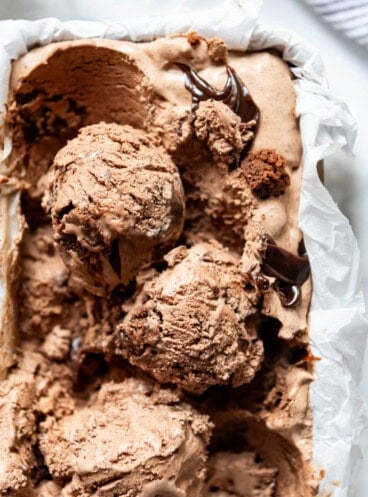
{"x": 117, "y": 203}
{"x": 188, "y": 326}
{"x": 129, "y": 437}
{"x": 222, "y": 131}
{"x": 240, "y": 474}
{"x": 44, "y": 288}
{"x": 122, "y": 443}
{"x": 163, "y": 291}
{"x": 247, "y": 459}
{"x": 17, "y": 432}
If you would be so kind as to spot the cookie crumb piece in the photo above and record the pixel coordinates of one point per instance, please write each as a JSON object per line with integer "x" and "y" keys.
{"x": 265, "y": 172}
{"x": 217, "y": 50}
{"x": 194, "y": 38}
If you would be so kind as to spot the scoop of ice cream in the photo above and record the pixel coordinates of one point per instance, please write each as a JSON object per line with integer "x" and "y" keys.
{"x": 122, "y": 443}
{"x": 118, "y": 202}
{"x": 188, "y": 325}
{"x": 222, "y": 131}
{"x": 239, "y": 474}
{"x": 43, "y": 289}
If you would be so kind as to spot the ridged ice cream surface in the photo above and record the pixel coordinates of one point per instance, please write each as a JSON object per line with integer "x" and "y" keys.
{"x": 162, "y": 285}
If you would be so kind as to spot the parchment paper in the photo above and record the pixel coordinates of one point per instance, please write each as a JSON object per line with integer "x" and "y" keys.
{"x": 337, "y": 327}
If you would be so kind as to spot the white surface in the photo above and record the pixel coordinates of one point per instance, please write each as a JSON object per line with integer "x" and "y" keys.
{"x": 348, "y": 16}
{"x": 348, "y": 76}
{"x": 347, "y": 178}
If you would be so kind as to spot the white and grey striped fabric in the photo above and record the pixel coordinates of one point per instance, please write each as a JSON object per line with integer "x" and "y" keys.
{"x": 348, "y": 16}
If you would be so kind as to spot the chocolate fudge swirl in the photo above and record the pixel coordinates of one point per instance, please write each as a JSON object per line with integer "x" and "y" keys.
{"x": 290, "y": 270}
{"x": 234, "y": 94}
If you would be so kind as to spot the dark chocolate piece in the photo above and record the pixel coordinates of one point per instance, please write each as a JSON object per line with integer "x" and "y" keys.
{"x": 282, "y": 264}
{"x": 290, "y": 270}
{"x": 288, "y": 294}
{"x": 262, "y": 283}
{"x": 301, "y": 249}
{"x": 234, "y": 94}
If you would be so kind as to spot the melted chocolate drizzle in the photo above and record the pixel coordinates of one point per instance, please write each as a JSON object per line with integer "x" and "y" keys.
{"x": 290, "y": 270}
{"x": 234, "y": 94}
{"x": 288, "y": 294}
{"x": 262, "y": 283}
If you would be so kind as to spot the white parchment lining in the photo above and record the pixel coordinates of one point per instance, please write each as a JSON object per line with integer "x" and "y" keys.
{"x": 337, "y": 327}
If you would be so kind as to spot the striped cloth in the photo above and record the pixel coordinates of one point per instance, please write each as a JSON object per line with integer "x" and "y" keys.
{"x": 348, "y": 16}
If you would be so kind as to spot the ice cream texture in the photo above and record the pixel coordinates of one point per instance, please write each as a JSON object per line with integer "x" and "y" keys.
{"x": 162, "y": 289}
{"x": 121, "y": 442}
{"x": 188, "y": 326}
{"x": 117, "y": 202}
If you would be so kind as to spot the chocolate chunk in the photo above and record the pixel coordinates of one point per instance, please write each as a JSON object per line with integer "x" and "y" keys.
{"x": 262, "y": 283}
{"x": 234, "y": 94}
{"x": 265, "y": 172}
{"x": 290, "y": 270}
{"x": 288, "y": 294}
{"x": 282, "y": 264}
